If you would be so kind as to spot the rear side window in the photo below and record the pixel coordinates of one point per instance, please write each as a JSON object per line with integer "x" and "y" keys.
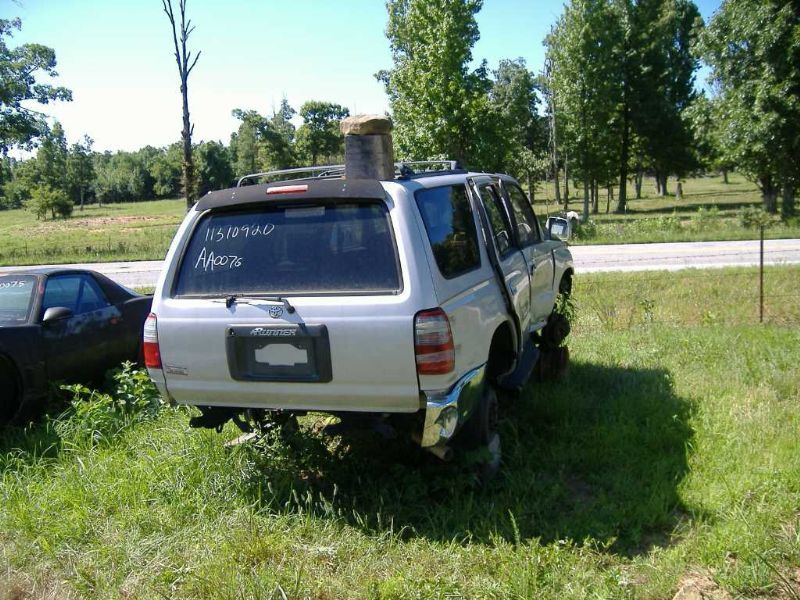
{"x": 324, "y": 247}
{"x": 450, "y": 226}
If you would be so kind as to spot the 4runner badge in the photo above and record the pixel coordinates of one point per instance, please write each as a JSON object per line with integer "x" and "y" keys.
{"x": 261, "y": 332}
{"x": 275, "y": 311}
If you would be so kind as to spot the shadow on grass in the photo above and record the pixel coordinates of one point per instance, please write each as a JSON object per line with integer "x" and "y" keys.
{"x": 725, "y": 208}
{"x": 599, "y": 454}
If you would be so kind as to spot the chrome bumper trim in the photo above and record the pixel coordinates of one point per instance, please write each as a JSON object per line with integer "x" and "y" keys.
{"x": 445, "y": 412}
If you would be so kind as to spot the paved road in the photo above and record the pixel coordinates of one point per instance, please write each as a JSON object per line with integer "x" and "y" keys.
{"x": 588, "y": 259}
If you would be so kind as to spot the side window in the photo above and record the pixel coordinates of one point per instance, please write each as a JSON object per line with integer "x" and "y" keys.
{"x": 527, "y": 229}
{"x": 450, "y": 226}
{"x": 501, "y": 228}
{"x": 91, "y": 297}
{"x": 78, "y": 293}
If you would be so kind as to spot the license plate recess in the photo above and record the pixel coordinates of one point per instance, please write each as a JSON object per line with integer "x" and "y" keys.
{"x": 249, "y": 348}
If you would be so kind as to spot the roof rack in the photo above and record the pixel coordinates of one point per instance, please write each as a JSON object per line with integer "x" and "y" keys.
{"x": 402, "y": 169}
{"x": 323, "y": 171}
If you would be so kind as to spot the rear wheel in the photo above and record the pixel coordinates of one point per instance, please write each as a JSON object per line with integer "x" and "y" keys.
{"x": 480, "y": 432}
{"x": 12, "y": 392}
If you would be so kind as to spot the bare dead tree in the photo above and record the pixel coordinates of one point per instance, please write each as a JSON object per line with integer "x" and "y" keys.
{"x": 185, "y": 65}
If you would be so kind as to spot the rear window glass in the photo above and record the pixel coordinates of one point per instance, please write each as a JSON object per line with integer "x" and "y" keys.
{"x": 16, "y": 295}
{"x": 450, "y": 225}
{"x": 299, "y": 249}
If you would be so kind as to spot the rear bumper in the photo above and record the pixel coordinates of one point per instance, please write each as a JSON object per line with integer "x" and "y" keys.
{"x": 446, "y": 411}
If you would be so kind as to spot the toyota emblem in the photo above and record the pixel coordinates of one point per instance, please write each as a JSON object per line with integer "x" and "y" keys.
{"x": 275, "y": 312}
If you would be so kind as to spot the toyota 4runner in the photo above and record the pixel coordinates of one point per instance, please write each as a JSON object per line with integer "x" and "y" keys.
{"x": 417, "y": 298}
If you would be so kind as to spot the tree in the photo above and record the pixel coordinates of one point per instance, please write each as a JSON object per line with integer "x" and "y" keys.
{"x": 753, "y": 49}
{"x": 319, "y": 135}
{"x": 440, "y": 108}
{"x": 666, "y": 33}
{"x": 51, "y": 159}
{"x": 45, "y": 199}
{"x": 80, "y": 169}
{"x": 166, "y": 169}
{"x": 185, "y": 63}
{"x": 262, "y": 144}
{"x": 583, "y": 49}
{"x": 20, "y": 125}
{"x": 213, "y": 167}
{"x": 513, "y": 97}
{"x": 281, "y": 121}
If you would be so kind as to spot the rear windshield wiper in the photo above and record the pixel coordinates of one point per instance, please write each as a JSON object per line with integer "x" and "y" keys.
{"x": 255, "y": 300}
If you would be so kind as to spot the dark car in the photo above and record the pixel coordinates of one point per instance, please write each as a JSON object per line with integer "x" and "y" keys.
{"x": 62, "y": 325}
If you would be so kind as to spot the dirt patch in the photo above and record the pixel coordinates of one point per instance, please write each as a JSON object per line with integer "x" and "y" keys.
{"x": 699, "y": 585}
{"x": 95, "y": 224}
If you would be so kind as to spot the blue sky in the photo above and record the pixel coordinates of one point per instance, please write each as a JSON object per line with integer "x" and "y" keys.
{"x": 116, "y": 56}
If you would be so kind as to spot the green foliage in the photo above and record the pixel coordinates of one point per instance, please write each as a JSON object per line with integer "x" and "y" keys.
{"x": 46, "y": 200}
{"x": 523, "y": 131}
{"x": 20, "y": 126}
{"x": 213, "y": 167}
{"x": 704, "y": 218}
{"x": 440, "y": 108}
{"x": 97, "y": 417}
{"x": 319, "y": 135}
{"x": 80, "y": 169}
{"x": 668, "y": 450}
{"x": 261, "y": 143}
{"x": 753, "y": 49}
{"x": 586, "y": 230}
{"x": 753, "y": 217}
{"x": 622, "y": 77}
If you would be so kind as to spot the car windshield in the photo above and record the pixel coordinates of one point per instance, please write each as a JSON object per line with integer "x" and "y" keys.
{"x": 325, "y": 247}
{"x": 16, "y": 296}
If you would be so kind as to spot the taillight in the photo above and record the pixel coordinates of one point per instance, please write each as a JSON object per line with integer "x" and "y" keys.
{"x": 433, "y": 343}
{"x": 152, "y": 354}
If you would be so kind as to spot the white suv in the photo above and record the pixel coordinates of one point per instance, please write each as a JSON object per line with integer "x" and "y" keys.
{"x": 413, "y": 299}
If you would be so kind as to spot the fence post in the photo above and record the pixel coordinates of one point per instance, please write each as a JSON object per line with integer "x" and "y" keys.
{"x": 761, "y": 277}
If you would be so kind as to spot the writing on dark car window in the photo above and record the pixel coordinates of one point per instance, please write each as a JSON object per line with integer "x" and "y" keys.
{"x": 219, "y": 234}
{"x": 16, "y": 297}
{"x": 330, "y": 246}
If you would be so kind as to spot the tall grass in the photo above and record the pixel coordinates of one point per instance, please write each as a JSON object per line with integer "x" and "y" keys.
{"x": 670, "y": 449}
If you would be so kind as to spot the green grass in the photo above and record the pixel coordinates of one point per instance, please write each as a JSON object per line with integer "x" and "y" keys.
{"x": 709, "y": 210}
{"x": 670, "y": 450}
{"x": 129, "y": 231}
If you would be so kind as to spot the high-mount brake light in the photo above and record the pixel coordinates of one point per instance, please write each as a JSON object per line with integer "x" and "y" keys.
{"x": 152, "y": 353}
{"x": 433, "y": 343}
{"x": 287, "y": 189}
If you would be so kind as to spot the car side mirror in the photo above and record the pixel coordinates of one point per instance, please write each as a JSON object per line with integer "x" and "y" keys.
{"x": 55, "y": 314}
{"x": 558, "y": 229}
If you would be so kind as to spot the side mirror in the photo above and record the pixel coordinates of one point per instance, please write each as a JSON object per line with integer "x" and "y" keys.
{"x": 55, "y": 314}
{"x": 558, "y": 228}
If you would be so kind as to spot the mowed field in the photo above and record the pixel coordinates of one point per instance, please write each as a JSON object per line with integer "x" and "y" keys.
{"x": 126, "y": 231}
{"x": 666, "y": 459}
{"x": 709, "y": 210}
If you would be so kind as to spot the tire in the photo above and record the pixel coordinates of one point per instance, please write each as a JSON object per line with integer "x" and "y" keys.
{"x": 482, "y": 425}
{"x": 480, "y": 432}
{"x": 12, "y": 392}
{"x": 553, "y": 364}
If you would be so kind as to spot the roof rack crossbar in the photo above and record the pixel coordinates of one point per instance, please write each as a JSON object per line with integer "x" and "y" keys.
{"x": 322, "y": 171}
{"x": 451, "y": 165}
{"x": 327, "y": 171}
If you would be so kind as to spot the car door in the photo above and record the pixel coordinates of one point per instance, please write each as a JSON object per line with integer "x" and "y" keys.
{"x": 538, "y": 251}
{"x": 82, "y": 346}
{"x": 510, "y": 258}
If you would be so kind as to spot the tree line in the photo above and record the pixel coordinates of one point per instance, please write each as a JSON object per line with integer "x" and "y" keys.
{"x": 616, "y": 100}
{"x": 61, "y": 176}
